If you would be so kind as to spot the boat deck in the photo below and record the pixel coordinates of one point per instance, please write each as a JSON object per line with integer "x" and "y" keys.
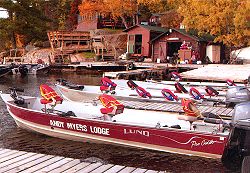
{"x": 224, "y": 112}
{"x": 20, "y": 161}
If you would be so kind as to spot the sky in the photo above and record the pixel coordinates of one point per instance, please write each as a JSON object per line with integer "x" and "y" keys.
{"x": 3, "y": 14}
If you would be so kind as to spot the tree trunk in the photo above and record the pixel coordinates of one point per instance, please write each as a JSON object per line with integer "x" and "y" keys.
{"x": 12, "y": 33}
{"x": 124, "y": 22}
{"x": 13, "y": 40}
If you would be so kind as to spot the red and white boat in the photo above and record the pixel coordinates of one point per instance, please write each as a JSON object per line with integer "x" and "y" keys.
{"x": 190, "y": 133}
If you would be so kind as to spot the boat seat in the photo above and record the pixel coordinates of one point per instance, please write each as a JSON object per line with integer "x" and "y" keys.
{"x": 191, "y": 113}
{"x": 142, "y": 92}
{"x": 49, "y": 95}
{"x": 106, "y": 110}
{"x": 106, "y": 88}
{"x": 111, "y": 105}
{"x": 44, "y": 101}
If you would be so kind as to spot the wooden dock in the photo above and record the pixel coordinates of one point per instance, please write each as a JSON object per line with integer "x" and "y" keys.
{"x": 219, "y": 72}
{"x": 133, "y": 73}
{"x": 224, "y": 112}
{"x": 12, "y": 161}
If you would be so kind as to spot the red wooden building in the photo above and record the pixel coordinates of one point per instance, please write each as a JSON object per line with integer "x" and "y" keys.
{"x": 140, "y": 37}
{"x": 179, "y": 42}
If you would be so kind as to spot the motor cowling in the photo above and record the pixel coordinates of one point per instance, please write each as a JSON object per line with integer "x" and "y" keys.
{"x": 211, "y": 91}
{"x": 169, "y": 95}
{"x": 142, "y": 92}
{"x": 111, "y": 105}
{"x": 196, "y": 94}
{"x": 237, "y": 94}
{"x": 180, "y": 88}
{"x": 49, "y": 95}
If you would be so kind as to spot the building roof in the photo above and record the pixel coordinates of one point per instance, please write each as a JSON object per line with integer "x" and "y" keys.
{"x": 148, "y": 27}
{"x": 188, "y": 34}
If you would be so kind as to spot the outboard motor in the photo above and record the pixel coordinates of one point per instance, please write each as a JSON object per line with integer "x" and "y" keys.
{"x": 211, "y": 91}
{"x": 169, "y": 95}
{"x": 17, "y": 99}
{"x": 230, "y": 83}
{"x": 23, "y": 69}
{"x": 176, "y": 76}
{"x": 180, "y": 88}
{"x": 196, "y": 94}
{"x": 62, "y": 82}
{"x": 238, "y": 146}
{"x": 131, "y": 84}
{"x": 236, "y": 95}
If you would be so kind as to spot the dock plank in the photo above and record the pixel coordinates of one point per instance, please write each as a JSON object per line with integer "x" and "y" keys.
{"x": 14, "y": 160}
{"x": 8, "y": 153}
{"x": 77, "y": 167}
{"x": 11, "y": 156}
{"x": 115, "y": 169}
{"x": 90, "y": 167}
{"x": 151, "y": 171}
{"x": 39, "y": 166}
{"x": 30, "y": 164}
{"x": 12, "y": 167}
{"x": 127, "y": 170}
{"x": 139, "y": 170}
{"x": 55, "y": 165}
{"x": 102, "y": 168}
{"x": 66, "y": 166}
{"x": 27, "y": 162}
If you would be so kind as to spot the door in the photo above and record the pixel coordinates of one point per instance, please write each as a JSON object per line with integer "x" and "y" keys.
{"x": 131, "y": 43}
{"x": 162, "y": 51}
{"x": 138, "y": 44}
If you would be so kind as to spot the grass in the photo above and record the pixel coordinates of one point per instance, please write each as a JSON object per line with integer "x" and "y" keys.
{"x": 88, "y": 54}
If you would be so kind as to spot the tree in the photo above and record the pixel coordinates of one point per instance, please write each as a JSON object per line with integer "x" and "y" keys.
{"x": 171, "y": 19}
{"x": 122, "y": 8}
{"x": 117, "y": 8}
{"x": 72, "y": 17}
{"x": 227, "y": 20}
{"x": 25, "y": 19}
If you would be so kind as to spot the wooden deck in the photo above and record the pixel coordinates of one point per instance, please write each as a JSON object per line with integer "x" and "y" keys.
{"x": 219, "y": 72}
{"x": 224, "y": 112}
{"x": 126, "y": 74}
{"x": 12, "y": 161}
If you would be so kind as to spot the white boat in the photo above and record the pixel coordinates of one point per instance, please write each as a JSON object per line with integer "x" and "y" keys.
{"x": 190, "y": 133}
{"x": 31, "y": 69}
{"x": 121, "y": 92}
{"x": 154, "y": 85}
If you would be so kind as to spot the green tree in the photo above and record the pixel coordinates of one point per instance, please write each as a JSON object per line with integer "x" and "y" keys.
{"x": 25, "y": 19}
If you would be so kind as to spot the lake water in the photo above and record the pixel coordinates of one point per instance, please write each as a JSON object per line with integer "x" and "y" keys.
{"x": 12, "y": 137}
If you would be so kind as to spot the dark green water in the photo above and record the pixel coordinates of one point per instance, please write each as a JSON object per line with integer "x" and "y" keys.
{"x": 13, "y": 137}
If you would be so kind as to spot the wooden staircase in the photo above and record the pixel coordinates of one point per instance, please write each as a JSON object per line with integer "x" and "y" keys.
{"x": 103, "y": 49}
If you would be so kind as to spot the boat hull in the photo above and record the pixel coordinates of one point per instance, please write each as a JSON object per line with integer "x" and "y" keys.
{"x": 161, "y": 139}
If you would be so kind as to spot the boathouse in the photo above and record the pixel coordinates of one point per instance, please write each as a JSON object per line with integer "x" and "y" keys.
{"x": 188, "y": 47}
{"x": 139, "y": 39}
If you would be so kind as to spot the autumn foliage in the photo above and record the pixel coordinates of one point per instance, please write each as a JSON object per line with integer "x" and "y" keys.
{"x": 227, "y": 20}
